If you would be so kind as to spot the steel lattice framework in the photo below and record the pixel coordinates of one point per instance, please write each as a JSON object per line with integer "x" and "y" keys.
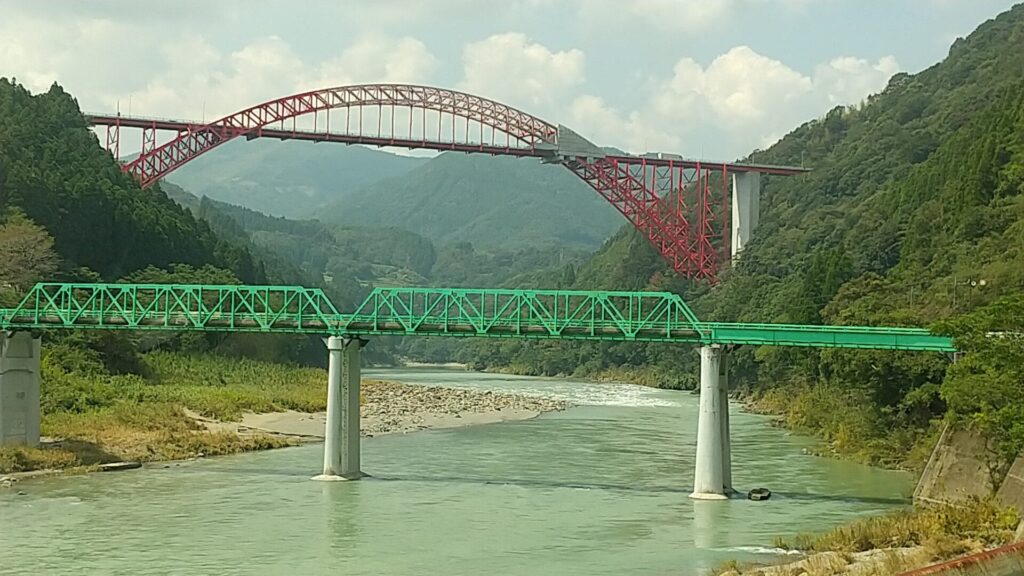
{"x": 668, "y": 198}
{"x": 538, "y": 314}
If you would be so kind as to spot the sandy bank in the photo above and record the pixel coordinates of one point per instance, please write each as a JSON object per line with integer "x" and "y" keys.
{"x": 392, "y": 407}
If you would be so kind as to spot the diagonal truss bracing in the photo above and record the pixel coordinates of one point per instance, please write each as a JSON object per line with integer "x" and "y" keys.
{"x": 550, "y": 314}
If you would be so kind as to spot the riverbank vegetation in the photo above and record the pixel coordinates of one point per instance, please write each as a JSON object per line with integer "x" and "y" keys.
{"x": 975, "y": 524}
{"x": 96, "y": 416}
{"x": 894, "y": 542}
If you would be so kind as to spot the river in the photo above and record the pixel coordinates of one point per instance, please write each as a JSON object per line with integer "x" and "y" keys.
{"x": 598, "y": 489}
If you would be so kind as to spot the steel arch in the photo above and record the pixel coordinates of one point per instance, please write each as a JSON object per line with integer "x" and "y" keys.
{"x": 668, "y": 199}
{"x": 523, "y": 130}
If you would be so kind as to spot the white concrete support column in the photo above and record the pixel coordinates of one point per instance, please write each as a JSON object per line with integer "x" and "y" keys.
{"x": 708, "y": 483}
{"x": 723, "y": 410}
{"x": 746, "y": 208}
{"x": 19, "y": 389}
{"x": 341, "y": 433}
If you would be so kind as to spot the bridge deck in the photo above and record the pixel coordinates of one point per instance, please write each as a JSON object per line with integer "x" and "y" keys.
{"x": 448, "y": 312}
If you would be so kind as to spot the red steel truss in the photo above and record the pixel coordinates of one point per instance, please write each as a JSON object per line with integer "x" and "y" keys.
{"x": 670, "y": 199}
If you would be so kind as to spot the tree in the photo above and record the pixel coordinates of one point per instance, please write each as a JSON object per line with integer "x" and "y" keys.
{"x": 985, "y": 388}
{"x": 26, "y": 253}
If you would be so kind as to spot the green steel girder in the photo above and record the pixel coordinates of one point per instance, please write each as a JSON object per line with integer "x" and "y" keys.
{"x": 856, "y": 337}
{"x": 174, "y": 307}
{"x": 523, "y": 313}
{"x": 551, "y": 314}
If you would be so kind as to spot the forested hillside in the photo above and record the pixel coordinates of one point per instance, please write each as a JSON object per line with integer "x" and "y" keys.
{"x": 289, "y": 178}
{"x": 491, "y": 202}
{"x": 356, "y": 258}
{"x": 914, "y": 199}
{"x": 68, "y": 213}
{"x": 53, "y": 172}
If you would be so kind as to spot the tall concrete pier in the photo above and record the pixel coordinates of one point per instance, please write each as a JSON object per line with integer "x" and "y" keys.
{"x": 341, "y": 433}
{"x": 19, "y": 389}
{"x": 746, "y": 207}
{"x": 713, "y": 470}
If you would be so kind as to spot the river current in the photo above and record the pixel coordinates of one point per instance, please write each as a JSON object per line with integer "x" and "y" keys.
{"x": 601, "y": 488}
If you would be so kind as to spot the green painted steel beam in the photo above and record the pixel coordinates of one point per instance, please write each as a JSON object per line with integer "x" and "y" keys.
{"x": 173, "y": 307}
{"x": 449, "y": 312}
{"x": 853, "y": 337}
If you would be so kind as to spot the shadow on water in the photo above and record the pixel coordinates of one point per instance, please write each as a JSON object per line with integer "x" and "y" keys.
{"x": 541, "y": 483}
{"x": 740, "y": 495}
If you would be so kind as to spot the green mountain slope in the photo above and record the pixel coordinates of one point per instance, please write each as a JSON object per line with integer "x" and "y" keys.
{"x": 912, "y": 196}
{"x": 289, "y": 178}
{"x": 356, "y": 258}
{"x": 52, "y": 170}
{"x": 490, "y": 202}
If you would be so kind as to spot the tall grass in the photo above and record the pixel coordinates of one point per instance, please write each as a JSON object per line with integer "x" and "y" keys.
{"x": 977, "y": 521}
{"x": 102, "y": 417}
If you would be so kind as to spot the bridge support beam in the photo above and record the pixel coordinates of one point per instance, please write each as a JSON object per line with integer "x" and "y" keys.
{"x": 713, "y": 463}
{"x": 746, "y": 208}
{"x": 341, "y": 433}
{"x": 19, "y": 389}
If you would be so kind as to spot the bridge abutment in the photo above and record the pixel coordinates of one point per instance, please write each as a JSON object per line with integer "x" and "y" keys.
{"x": 341, "y": 432}
{"x": 746, "y": 208}
{"x": 19, "y": 389}
{"x": 713, "y": 469}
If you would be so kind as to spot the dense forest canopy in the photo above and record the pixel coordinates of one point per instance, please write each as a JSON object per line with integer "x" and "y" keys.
{"x": 54, "y": 172}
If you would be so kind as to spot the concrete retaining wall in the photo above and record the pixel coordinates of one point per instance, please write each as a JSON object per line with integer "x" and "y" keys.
{"x": 956, "y": 469}
{"x": 1011, "y": 492}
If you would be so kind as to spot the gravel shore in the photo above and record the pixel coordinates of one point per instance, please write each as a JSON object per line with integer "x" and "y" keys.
{"x": 393, "y": 407}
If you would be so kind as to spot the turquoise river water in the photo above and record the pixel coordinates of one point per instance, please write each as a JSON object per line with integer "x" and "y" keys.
{"x": 601, "y": 488}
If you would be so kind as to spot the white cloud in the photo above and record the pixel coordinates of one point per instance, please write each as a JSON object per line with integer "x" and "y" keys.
{"x": 511, "y": 69}
{"x": 689, "y": 16}
{"x": 749, "y": 97}
{"x": 178, "y": 64}
{"x": 847, "y": 80}
{"x": 376, "y": 58}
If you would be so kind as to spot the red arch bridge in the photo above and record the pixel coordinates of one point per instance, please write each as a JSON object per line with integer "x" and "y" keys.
{"x": 696, "y": 214}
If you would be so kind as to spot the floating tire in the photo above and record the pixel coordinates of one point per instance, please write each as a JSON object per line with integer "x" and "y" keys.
{"x": 118, "y": 466}
{"x": 759, "y": 494}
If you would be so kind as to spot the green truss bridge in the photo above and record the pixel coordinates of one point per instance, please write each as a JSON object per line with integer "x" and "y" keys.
{"x": 439, "y": 312}
{"x": 489, "y": 313}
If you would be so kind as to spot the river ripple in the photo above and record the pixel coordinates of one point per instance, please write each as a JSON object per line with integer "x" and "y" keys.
{"x": 599, "y": 489}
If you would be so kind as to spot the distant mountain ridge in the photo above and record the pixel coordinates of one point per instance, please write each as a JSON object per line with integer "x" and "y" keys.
{"x": 292, "y": 179}
{"x": 491, "y": 202}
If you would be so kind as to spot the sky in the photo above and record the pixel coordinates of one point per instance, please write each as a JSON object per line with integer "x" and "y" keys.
{"x": 703, "y": 78}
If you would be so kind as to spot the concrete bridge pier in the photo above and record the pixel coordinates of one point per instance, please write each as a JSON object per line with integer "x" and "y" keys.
{"x": 746, "y": 208}
{"x": 713, "y": 470}
{"x": 341, "y": 433}
{"x": 19, "y": 389}
{"x": 723, "y": 411}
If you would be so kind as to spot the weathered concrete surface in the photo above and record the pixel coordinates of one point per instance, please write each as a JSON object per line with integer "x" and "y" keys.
{"x": 1011, "y": 491}
{"x": 955, "y": 470}
{"x": 19, "y": 389}
{"x": 1005, "y": 561}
